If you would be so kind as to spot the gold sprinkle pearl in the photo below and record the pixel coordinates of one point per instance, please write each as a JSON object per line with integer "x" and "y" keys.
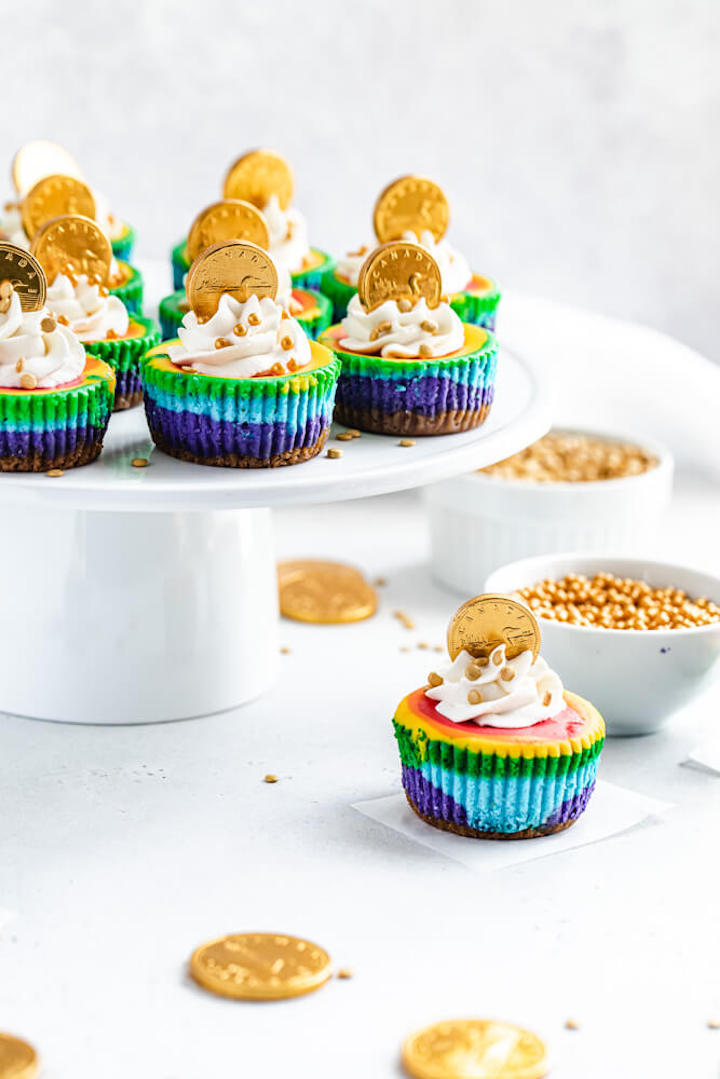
{"x": 287, "y": 343}
{"x": 254, "y": 319}
{"x": 239, "y": 330}
{"x": 574, "y": 458}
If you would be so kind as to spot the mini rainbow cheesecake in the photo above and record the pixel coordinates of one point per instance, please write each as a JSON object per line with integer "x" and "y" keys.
{"x": 55, "y": 400}
{"x": 494, "y": 747}
{"x": 243, "y": 387}
{"x": 126, "y": 282}
{"x": 410, "y": 366}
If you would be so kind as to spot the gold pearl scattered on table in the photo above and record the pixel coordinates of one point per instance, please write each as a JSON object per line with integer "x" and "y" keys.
{"x": 474, "y": 1049}
{"x": 260, "y": 966}
{"x": 484, "y": 622}
{"x": 18, "y": 1059}
{"x": 324, "y": 593}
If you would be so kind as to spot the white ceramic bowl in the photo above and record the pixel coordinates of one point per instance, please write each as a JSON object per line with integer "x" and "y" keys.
{"x": 479, "y": 522}
{"x": 636, "y": 678}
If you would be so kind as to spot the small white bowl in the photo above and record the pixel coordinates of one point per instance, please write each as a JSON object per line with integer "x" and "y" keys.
{"x": 636, "y": 678}
{"x": 479, "y": 522}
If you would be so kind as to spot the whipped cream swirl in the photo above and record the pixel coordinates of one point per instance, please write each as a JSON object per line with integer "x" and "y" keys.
{"x": 36, "y": 351}
{"x": 11, "y": 226}
{"x": 454, "y": 267}
{"x": 399, "y": 328}
{"x": 498, "y": 692}
{"x": 288, "y": 235}
{"x": 242, "y": 340}
{"x": 91, "y": 313}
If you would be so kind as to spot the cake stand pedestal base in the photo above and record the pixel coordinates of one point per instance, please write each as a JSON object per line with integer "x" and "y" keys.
{"x": 114, "y": 617}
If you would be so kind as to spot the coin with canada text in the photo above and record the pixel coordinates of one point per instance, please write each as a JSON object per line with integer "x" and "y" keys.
{"x": 53, "y": 196}
{"x": 484, "y": 622}
{"x": 260, "y": 966}
{"x": 325, "y": 593}
{"x": 75, "y": 245}
{"x": 236, "y": 267}
{"x": 411, "y": 204}
{"x": 23, "y": 271}
{"x": 399, "y": 271}
{"x": 474, "y": 1049}
{"x": 41, "y": 158}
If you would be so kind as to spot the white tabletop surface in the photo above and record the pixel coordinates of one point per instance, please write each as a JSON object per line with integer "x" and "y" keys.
{"x": 122, "y": 848}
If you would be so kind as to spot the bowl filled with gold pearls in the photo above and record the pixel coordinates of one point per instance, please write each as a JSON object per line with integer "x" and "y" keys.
{"x": 573, "y": 490}
{"x": 639, "y": 638}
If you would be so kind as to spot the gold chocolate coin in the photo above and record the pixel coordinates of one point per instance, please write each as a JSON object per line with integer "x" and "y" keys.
{"x": 260, "y": 966}
{"x": 325, "y": 593}
{"x": 41, "y": 158}
{"x": 484, "y": 622}
{"x": 230, "y": 219}
{"x": 18, "y": 1060}
{"x": 399, "y": 271}
{"x": 414, "y": 204}
{"x": 256, "y": 176}
{"x": 25, "y": 274}
{"x": 52, "y": 196}
{"x": 237, "y": 267}
{"x": 474, "y": 1049}
{"x": 73, "y": 243}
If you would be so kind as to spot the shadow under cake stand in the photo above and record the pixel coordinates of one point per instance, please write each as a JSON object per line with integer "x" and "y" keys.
{"x": 138, "y": 595}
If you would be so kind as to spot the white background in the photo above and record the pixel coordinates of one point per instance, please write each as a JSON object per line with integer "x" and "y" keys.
{"x": 577, "y": 141}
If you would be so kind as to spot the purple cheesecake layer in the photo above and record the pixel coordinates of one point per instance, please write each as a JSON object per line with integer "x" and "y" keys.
{"x": 426, "y": 396}
{"x": 205, "y": 437}
{"x": 431, "y": 800}
{"x": 128, "y": 389}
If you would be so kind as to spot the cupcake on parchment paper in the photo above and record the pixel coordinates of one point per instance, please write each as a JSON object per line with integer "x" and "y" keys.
{"x": 416, "y": 210}
{"x": 76, "y": 256}
{"x": 243, "y": 387}
{"x": 494, "y": 747}
{"x": 265, "y": 179}
{"x": 55, "y": 399}
{"x": 410, "y": 366}
{"x": 35, "y": 161}
{"x": 234, "y": 219}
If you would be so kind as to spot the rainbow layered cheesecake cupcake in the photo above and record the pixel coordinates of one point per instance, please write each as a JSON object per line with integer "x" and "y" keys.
{"x": 494, "y": 747}
{"x": 410, "y": 366}
{"x": 55, "y": 400}
{"x": 265, "y": 179}
{"x": 76, "y": 256}
{"x": 243, "y": 387}
{"x": 416, "y": 210}
{"x": 235, "y": 219}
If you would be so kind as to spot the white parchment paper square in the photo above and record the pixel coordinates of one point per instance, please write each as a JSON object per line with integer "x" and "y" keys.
{"x": 611, "y": 810}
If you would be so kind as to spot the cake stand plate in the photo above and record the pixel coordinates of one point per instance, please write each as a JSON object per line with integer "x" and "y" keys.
{"x": 149, "y": 594}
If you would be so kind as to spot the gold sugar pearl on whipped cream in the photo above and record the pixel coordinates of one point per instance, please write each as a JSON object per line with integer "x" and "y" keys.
{"x": 605, "y": 601}
{"x": 566, "y": 457}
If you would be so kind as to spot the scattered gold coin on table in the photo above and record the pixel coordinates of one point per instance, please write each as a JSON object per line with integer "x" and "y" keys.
{"x": 326, "y": 593}
{"x": 411, "y": 203}
{"x": 260, "y": 966}
{"x": 474, "y": 1049}
{"x": 484, "y": 622}
{"x": 18, "y": 1060}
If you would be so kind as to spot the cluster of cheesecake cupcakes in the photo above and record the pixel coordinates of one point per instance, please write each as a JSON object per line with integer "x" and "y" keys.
{"x": 266, "y": 338}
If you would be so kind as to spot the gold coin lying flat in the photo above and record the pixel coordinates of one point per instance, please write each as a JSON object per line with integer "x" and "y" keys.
{"x": 234, "y": 266}
{"x": 25, "y": 274}
{"x": 474, "y": 1049}
{"x": 325, "y": 593}
{"x": 18, "y": 1060}
{"x": 260, "y": 966}
{"x": 75, "y": 244}
{"x": 52, "y": 196}
{"x": 256, "y": 176}
{"x": 230, "y": 219}
{"x": 411, "y": 203}
{"x": 484, "y": 622}
{"x": 399, "y": 271}
{"x": 41, "y": 158}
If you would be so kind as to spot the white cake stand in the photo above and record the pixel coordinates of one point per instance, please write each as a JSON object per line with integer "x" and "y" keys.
{"x": 138, "y": 595}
